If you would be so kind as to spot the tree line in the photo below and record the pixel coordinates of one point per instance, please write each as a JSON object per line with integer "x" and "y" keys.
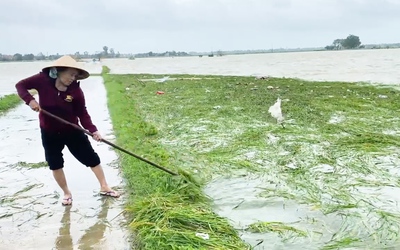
{"x": 105, "y": 53}
{"x": 350, "y": 42}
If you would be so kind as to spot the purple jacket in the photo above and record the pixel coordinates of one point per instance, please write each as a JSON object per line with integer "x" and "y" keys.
{"x": 69, "y": 105}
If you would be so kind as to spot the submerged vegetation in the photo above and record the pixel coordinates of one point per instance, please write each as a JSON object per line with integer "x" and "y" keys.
{"x": 335, "y": 156}
{"x": 8, "y": 102}
{"x": 29, "y": 165}
{"x": 279, "y": 227}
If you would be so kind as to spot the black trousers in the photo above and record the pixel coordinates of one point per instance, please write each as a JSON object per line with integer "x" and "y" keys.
{"x": 78, "y": 144}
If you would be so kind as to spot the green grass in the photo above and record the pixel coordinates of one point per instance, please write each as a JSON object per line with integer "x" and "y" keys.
{"x": 339, "y": 146}
{"x": 166, "y": 211}
{"x": 8, "y": 102}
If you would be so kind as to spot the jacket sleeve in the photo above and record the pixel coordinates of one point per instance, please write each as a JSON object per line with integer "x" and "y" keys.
{"x": 82, "y": 113}
{"x": 32, "y": 82}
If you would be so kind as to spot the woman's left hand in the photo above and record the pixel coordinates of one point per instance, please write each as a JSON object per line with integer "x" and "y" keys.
{"x": 97, "y": 136}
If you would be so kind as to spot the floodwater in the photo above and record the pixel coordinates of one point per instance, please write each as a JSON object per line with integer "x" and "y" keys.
{"x": 31, "y": 214}
{"x": 239, "y": 200}
{"x": 375, "y": 66}
{"x": 39, "y": 221}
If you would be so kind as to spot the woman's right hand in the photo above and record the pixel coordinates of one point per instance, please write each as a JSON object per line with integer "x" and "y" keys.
{"x": 34, "y": 105}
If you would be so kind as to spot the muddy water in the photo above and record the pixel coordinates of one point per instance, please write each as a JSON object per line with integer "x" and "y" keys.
{"x": 31, "y": 215}
{"x": 357, "y": 65}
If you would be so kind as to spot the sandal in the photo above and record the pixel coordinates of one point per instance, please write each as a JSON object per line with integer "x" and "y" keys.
{"x": 110, "y": 194}
{"x": 67, "y": 201}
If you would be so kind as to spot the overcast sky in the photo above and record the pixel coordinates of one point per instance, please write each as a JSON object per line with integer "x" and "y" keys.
{"x": 133, "y": 26}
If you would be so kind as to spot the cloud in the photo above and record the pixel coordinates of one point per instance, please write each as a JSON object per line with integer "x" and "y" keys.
{"x": 193, "y": 24}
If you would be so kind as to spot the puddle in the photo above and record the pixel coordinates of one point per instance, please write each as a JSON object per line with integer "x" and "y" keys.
{"x": 31, "y": 215}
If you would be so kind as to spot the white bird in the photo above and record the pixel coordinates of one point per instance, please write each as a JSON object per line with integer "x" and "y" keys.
{"x": 276, "y": 111}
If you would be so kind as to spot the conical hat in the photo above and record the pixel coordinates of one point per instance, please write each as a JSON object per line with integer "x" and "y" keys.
{"x": 69, "y": 62}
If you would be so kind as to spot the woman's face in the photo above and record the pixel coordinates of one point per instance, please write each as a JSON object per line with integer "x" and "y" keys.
{"x": 67, "y": 76}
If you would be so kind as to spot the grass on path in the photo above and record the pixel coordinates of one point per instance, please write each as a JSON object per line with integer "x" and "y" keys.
{"x": 8, "y": 102}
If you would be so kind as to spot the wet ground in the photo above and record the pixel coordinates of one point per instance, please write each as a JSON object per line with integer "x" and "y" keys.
{"x": 238, "y": 199}
{"x": 31, "y": 215}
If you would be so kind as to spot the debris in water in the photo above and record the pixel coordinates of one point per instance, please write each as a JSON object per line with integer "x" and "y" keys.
{"x": 29, "y": 165}
{"x": 260, "y": 241}
{"x": 238, "y": 205}
{"x": 262, "y": 78}
{"x": 5, "y": 215}
{"x": 26, "y": 189}
{"x": 159, "y": 92}
{"x": 276, "y": 227}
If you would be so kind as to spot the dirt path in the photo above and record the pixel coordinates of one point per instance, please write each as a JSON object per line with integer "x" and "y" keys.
{"x": 31, "y": 215}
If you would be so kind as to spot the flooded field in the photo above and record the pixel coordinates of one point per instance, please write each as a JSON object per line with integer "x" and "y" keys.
{"x": 327, "y": 179}
{"x": 31, "y": 215}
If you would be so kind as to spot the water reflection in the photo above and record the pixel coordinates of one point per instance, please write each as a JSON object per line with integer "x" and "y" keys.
{"x": 93, "y": 235}
{"x": 64, "y": 239}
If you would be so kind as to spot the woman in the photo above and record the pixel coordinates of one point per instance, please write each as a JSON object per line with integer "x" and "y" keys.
{"x": 60, "y": 94}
